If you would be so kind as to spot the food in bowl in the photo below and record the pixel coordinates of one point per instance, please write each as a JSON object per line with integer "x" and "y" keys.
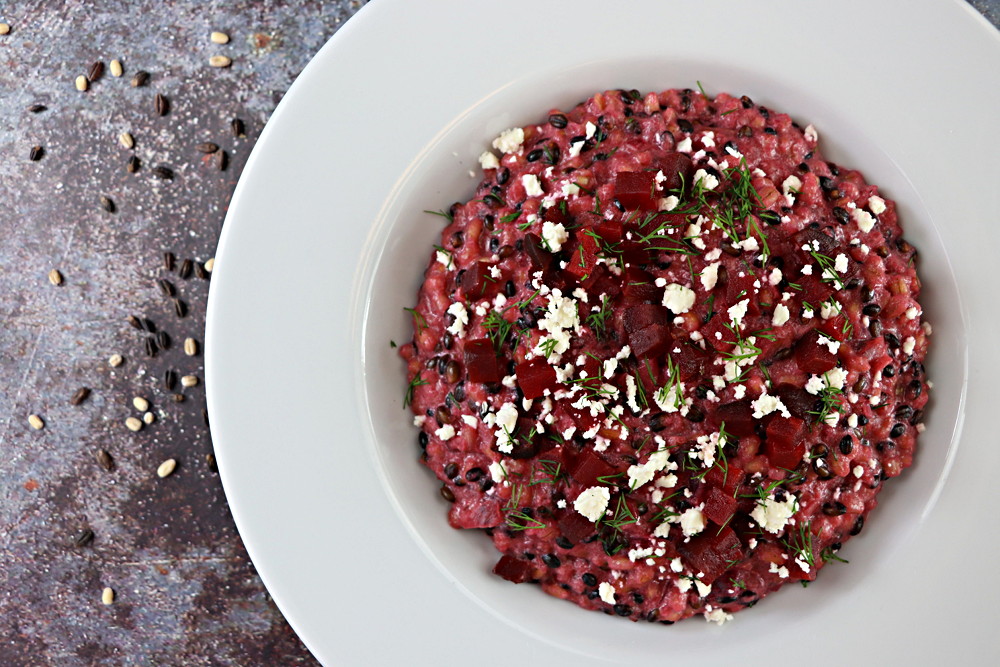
{"x": 668, "y": 355}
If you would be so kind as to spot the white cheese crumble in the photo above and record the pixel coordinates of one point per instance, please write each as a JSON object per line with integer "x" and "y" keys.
{"x": 684, "y": 145}
{"x": 765, "y": 405}
{"x": 639, "y": 475}
{"x": 692, "y": 521}
{"x": 510, "y": 140}
{"x": 864, "y": 219}
{"x": 668, "y": 203}
{"x": 506, "y": 420}
{"x": 909, "y": 344}
{"x": 876, "y": 204}
{"x": 717, "y": 616}
{"x": 470, "y": 420}
{"x": 488, "y": 160}
{"x": 497, "y": 472}
{"x": 457, "y": 328}
{"x": 446, "y": 432}
{"x": 780, "y": 315}
{"x": 708, "y": 181}
{"x": 555, "y": 235}
{"x": 840, "y": 264}
{"x": 773, "y": 515}
{"x": 678, "y": 298}
{"x": 738, "y": 311}
{"x": 532, "y": 186}
{"x": 811, "y": 134}
{"x": 593, "y": 502}
{"x": 607, "y": 592}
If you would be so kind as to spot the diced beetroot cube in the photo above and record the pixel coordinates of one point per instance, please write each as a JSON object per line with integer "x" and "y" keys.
{"x": 609, "y": 230}
{"x": 540, "y": 257}
{"x": 813, "y": 357}
{"x": 535, "y": 376}
{"x": 711, "y": 552}
{"x": 481, "y": 361}
{"x": 636, "y": 189}
{"x": 693, "y": 362}
{"x": 719, "y": 505}
{"x": 652, "y": 341}
{"x": 587, "y": 467}
{"x": 587, "y": 220}
{"x": 784, "y": 443}
{"x": 583, "y": 419}
{"x": 477, "y": 283}
{"x": 737, "y": 416}
{"x": 583, "y": 258}
{"x": 555, "y": 214}
{"x": 641, "y": 315}
{"x": 484, "y": 513}
{"x": 677, "y": 167}
{"x": 807, "y": 236}
{"x": 514, "y": 569}
{"x": 576, "y": 527}
{"x": 727, "y": 478}
{"x": 638, "y": 285}
{"x": 591, "y": 367}
{"x": 798, "y": 401}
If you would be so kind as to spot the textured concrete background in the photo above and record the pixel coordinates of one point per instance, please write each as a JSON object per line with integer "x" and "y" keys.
{"x": 186, "y": 593}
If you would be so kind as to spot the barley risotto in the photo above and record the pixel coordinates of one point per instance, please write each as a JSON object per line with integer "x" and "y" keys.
{"x": 668, "y": 354}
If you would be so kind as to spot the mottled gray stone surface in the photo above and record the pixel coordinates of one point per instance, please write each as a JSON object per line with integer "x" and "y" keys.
{"x": 186, "y": 592}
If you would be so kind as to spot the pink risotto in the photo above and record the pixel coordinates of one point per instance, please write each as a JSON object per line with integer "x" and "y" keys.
{"x": 668, "y": 355}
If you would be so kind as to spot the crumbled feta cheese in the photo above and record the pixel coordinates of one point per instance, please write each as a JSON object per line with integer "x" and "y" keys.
{"x": 607, "y": 592}
{"x": 909, "y": 344}
{"x": 791, "y": 185}
{"x": 684, "y": 145}
{"x": 510, "y": 140}
{"x": 639, "y": 475}
{"x": 718, "y": 616}
{"x": 497, "y": 471}
{"x": 708, "y": 181}
{"x": 840, "y": 264}
{"x": 506, "y": 420}
{"x": 912, "y": 312}
{"x": 782, "y": 571}
{"x": 811, "y": 134}
{"x": 780, "y": 315}
{"x": 532, "y": 186}
{"x": 708, "y": 139}
{"x": 676, "y": 565}
{"x": 692, "y": 521}
{"x": 457, "y": 328}
{"x": 829, "y": 309}
{"x": 590, "y": 129}
{"x": 444, "y": 258}
{"x": 773, "y": 515}
{"x": 738, "y": 311}
{"x": 807, "y": 270}
{"x": 488, "y": 160}
{"x": 668, "y": 203}
{"x": 419, "y": 420}
{"x": 593, "y": 502}
{"x": 876, "y": 204}
{"x": 765, "y": 405}
{"x": 470, "y": 420}
{"x": 446, "y": 432}
{"x": 864, "y": 219}
{"x": 710, "y": 276}
{"x": 678, "y": 298}
{"x": 554, "y": 234}
{"x": 610, "y": 366}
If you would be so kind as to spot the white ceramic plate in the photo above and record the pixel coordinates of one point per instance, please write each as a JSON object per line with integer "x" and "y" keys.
{"x": 325, "y": 243}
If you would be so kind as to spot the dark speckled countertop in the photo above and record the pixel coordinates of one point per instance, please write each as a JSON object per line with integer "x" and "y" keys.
{"x": 185, "y": 591}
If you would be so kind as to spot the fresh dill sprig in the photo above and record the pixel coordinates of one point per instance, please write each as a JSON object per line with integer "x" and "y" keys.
{"x": 444, "y": 214}
{"x": 598, "y": 320}
{"x": 412, "y": 388}
{"x": 418, "y": 319}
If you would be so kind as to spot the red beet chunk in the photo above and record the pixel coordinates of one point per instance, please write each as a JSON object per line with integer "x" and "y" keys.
{"x": 651, "y": 341}
{"x": 583, "y": 259}
{"x": 827, "y": 245}
{"x": 477, "y": 283}
{"x": 576, "y": 527}
{"x": 813, "y": 357}
{"x": 711, "y": 552}
{"x": 784, "y": 444}
{"x": 540, "y": 257}
{"x": 587, "y": 467}
{"x": 637, "y": 285}
{"x": 609, "y": 230}
{"x": 480, "y": 514}
{"x": 642, "y": 315}
{"x": 694, "y": 362}
{"x": 513, "y": 569}
{"x": 726, "y": 478}
{"x": 636, "y": 189}
{"x": 535, "y": 376}
{"x": 481, "y": 361}
{"x": 737, "y": 416}
{"x": 798, "y": 401}
{"x": 678, "y": 168}
{"x": 719, "y": 505}
{"x": 555, "y": 214}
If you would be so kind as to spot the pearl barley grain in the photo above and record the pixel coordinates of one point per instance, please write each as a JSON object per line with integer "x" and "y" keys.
{"x": 133, "y": 424}
{"x": 140, "y": 403}
{"x": 4, "y": 28}
{"x": 115, "y": 360}
{"x": 36, "y": 422}
{"x": 82, "y": 83}
{"x": 190, "y": 347}
{"x": 220, "y": 61}
{"x": 166, "y": 468}
{"x": 189, "y": 381}
{"x": 116, "y": 68}
{"x": 108, "y": 595}
{"x": 219, "y": 37}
